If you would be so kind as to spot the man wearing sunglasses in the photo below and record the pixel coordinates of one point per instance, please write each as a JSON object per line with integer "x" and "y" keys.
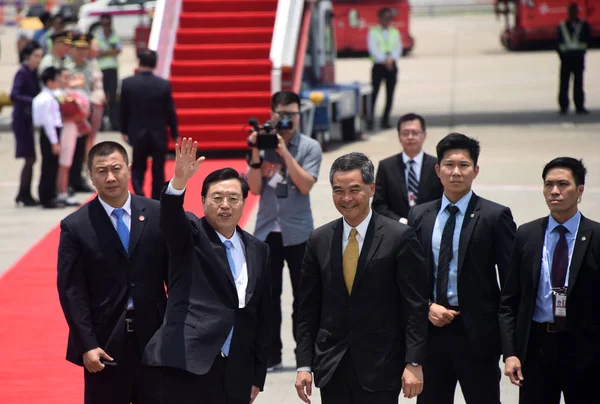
{"x": 283, "y": 177}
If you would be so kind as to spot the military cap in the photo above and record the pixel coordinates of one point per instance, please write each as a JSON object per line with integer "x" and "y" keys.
{"x": 63, "y": 36}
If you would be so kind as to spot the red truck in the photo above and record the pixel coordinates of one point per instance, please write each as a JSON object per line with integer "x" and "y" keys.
{"x": 529, "y": 22}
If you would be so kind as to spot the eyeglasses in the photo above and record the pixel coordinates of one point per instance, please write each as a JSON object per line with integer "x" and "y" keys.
{"x": 232, "y": 200}
{"x": 408, "y": 133}
{"x": 287, "y": 114}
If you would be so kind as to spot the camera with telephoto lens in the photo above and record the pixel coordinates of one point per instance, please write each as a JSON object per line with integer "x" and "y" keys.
{"x": 266, "y": 135}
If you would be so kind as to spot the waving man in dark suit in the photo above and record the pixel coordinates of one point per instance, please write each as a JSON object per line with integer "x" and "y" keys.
{"x": 214, "y": 342}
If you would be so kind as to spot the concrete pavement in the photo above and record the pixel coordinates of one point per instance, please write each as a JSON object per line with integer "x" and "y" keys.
{"x": 461, "y": 80}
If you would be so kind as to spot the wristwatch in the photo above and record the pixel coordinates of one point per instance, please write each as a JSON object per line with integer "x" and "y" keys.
{"x": 250, "y": 163}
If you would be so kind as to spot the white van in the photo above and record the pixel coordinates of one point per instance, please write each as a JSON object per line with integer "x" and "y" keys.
{"x": 126, "y": 15}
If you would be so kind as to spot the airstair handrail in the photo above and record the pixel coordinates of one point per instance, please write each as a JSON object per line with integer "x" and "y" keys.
{"x": 285, "y": 38}
{"x": 164, "y": 34}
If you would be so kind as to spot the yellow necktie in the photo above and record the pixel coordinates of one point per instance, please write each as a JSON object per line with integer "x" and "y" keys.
{"x": 350, "y": 260}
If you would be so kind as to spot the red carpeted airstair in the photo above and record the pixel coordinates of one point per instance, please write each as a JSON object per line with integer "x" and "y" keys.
{"x": 220, "y": 71}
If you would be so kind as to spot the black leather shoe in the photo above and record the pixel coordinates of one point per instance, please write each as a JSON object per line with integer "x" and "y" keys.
{"x": 26, "y": 201}
{"x": 582, "y": 111}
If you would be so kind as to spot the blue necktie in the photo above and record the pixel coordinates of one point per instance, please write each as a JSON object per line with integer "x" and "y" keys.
{"x": 123, "y": 233}
{"x": 122, "y": 229}
{"x": 228, "y": 246}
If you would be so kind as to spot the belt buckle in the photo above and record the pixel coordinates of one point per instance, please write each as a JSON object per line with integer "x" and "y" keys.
{"x": 550, "y": 328}
{"x": 129, "y": 323}
{"x": 223, "y": 355}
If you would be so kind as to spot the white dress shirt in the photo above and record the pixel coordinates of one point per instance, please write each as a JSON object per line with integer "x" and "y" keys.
{"x": 126, "y": 219}
{"x": 46, "y": 114}
{"x": 361, "y": 232}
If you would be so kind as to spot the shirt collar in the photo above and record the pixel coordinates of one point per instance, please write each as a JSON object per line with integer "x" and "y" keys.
{"x": 462, "y": 203}
{"x": 418, "y": 158}
{"x": 295, "y": 139}
{"x": 572, "y": 224}
{"x": 361, "y": 229}
{"x": 109, "y": 209}
{"x": 235, "y": 239}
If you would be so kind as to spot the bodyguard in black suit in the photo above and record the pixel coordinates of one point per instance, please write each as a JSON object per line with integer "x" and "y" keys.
{"x": 112, "y": 269}
{"x": 147, "y": 109}
{"x": 214, "y": 343}
{"x": 362, "y": 319}
{"x": 550, "y": 311}
{"x": 465, "y": 238}
{"x": 407, "y": 179}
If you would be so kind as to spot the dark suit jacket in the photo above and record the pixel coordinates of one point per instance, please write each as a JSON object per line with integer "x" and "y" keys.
{"x": 485, "y": 243}
{"x": 391, "y": 195}
{"x": 147, "y": 108}
{"x": 25, "y": 87}
{"x": 96, "y": 277}
{"x": 520, "y": 291}
{"x": 203, "y": 303}
{"x": 384, "y": 321}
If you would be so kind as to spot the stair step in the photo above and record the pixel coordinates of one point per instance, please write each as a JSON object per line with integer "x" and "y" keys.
{"x": 229, "y": 5}
{"x": 220, "y": 67}
{"x": 222, "y": 51}
{"x": 222, "y": 100}
{"x": 224, "y": 35}
{"x": 221, "y": 83}
{"x": 216, "y": 136}
{"x": 217, "y": 20}
{"x": 216, "y": 116}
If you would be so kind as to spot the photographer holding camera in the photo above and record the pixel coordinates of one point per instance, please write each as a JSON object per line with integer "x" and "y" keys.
{"x": 284, "y": 165}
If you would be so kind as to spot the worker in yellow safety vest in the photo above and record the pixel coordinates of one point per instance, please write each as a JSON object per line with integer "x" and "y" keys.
{"x": 109, "y": 48}
{"x": 573, "y": 38}
{"x": 385, "y": 47}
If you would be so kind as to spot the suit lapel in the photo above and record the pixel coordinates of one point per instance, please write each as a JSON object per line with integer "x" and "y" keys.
{"x": 138, "y": 222}
{"x": 426, "y": 174}
{"x": 336, "y": 259}
{"x": 538, "y": 250}
{"x": 221, "y": 256}
{"x": 402, "y": 180}
{"x": 582, "y": 240}
{"x": 251, "y": 264}
{"x": 104, "y": 226}
{"x": 427, "y": 225}
{"x": 469, "y": 222}
{"x": 370, "y": 245}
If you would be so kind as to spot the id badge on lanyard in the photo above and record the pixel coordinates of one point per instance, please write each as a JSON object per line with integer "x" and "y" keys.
{"x": 412, "y": 200}
{"x": 559, "y": 302}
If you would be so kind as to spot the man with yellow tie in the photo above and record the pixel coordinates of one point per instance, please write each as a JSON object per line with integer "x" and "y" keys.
{"x": 362, "y": 321}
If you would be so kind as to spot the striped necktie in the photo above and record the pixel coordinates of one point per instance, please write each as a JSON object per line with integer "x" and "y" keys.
{"x": 413, "y": 182}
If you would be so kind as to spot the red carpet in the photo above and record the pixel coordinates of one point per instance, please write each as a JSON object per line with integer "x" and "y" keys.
{"x": 33, "y": 331}
{"x": 221, "y": 73}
